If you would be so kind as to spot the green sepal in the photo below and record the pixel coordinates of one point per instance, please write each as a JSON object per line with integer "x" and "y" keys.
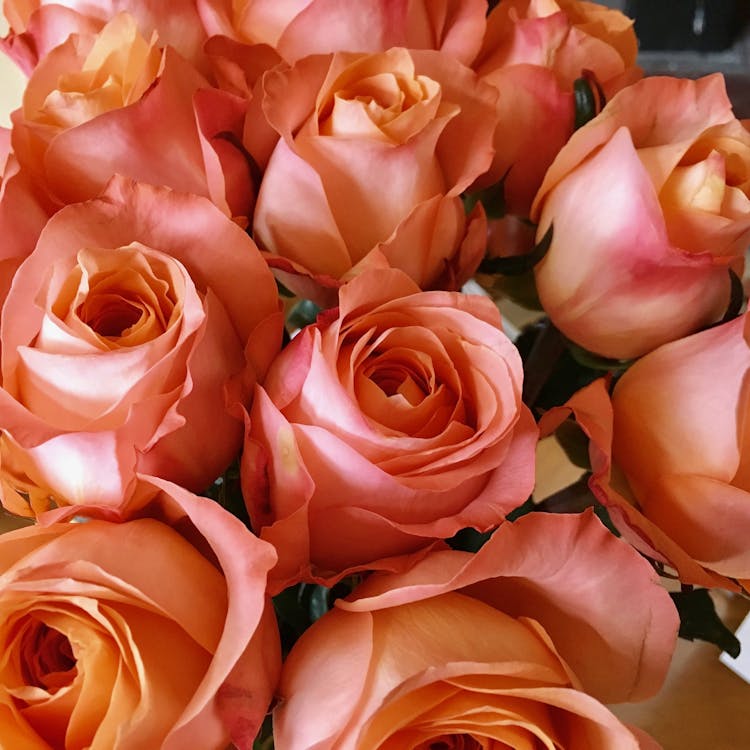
{"x": 596, "y": 361}
{"x": 736, "y": 298}
{"x": 588, "y": 98}
{"x": 515, "y": 265}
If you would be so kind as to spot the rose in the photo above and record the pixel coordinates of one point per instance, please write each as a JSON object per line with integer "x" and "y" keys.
{"x": 467, "y": 651}
{"x": 533, "y": 52}
{"x": 115, "y": 102}
{"x": 134, "y": 635}
{"x": 129, "y": 332}
{"x": 37, "y": 26}
{"x": 381, "y": 429}
{"x": 299, "y": 29}
{"x": 375, "y": 151}
{"x": 649, "y": 208}
{"x": 670, "y": 454}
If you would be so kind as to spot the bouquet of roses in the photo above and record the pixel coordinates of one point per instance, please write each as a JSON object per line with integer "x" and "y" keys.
{"x": 272, "y": 469}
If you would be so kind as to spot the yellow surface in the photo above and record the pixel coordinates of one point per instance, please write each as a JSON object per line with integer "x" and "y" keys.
{"x": 11, "y": 89}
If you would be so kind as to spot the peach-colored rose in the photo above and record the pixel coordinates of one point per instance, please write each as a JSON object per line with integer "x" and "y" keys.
{"x": 117, "y": 102}
{"x": 650, "y": 207}
{"x": 375, "y": 151}
{"x": 511, "y": 647}
{"x": 533, "y": 52}
{"x": 671, "y": 452}
{"x": 127, "y": 335}
{"x": 386, "y": 426}
{"x": 153, "y": 633}
{"x": 298, "y": 28}
{"x": 37, "y": 26}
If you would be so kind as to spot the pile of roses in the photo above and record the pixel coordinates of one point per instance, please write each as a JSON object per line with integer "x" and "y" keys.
{"x": 174, "y": 173}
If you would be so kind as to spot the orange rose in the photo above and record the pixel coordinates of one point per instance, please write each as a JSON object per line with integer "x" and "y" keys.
{"x": 533, "y": 52}
{"x": 677, "y": 432}
{"x": 374, "y": 154}
{"x": 470, "y": 651}
{"x": 395, "y": 423}
{"x": 134, "y": 635}
{"x": 37, "y": 26}
{"x": 125, "y": 338}
{"x": 116, "y": 102}
{"x": 650, "y": 206}
{"x": 307, "y": 27}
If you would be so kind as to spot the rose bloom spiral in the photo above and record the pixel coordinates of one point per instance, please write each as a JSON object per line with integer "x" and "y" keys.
{"x": 385, "y": 426}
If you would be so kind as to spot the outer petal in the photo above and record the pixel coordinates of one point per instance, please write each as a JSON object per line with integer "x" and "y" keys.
{"x": 518, "y": 571}
{"x": 317, "y": 657}
{"x": 226, "y": 697}
{"x": 293, "y": 216}
{"x": 534, "y": 120}
{"x": 592, "y": 410}
{"x": 686, "y": 465}
{"x": 454, "y": 26}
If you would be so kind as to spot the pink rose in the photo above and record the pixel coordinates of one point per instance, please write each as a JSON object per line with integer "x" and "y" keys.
{"x": 129, "y": 333}
{"x": 485, "y": 650}
{"x": 533, "y": 52}
{"x": 117, "y": 102}
{"x": 385, "y": 426}
{"x": 670, "y": 453}
{"x": 650, "y": 207}
{"x": 153, "y": 633}
{"x": 298, "y": 28}
{"x": 375, "y": 151}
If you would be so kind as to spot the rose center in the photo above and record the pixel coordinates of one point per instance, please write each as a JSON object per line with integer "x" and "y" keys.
{"x": 47, "y": 659}
{"x": 110, "y": 315}
{"x": 395, "y": 380}
{"x": 452, "y": 742}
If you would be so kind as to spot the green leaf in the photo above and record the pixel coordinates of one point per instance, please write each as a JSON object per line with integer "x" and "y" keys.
{"x": 264, "y": 740}
{"x": 699, "y": 620}
{"x": 283, "y": 291}
{"x": 318, "y": 602}
{"x": 603, "y": 515}
{"x": 302, "y": 314}
{"x": 492, "y": 198}
{"x": 469, "y": 540}
{"x": 291, "y": 611}
{"x": 527, "y": 507}
{"x": 575, "y": 443}
{"x": 515, "y": 265}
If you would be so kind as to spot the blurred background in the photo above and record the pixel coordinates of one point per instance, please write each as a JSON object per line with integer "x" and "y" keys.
{"x": 692, "y": 38}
